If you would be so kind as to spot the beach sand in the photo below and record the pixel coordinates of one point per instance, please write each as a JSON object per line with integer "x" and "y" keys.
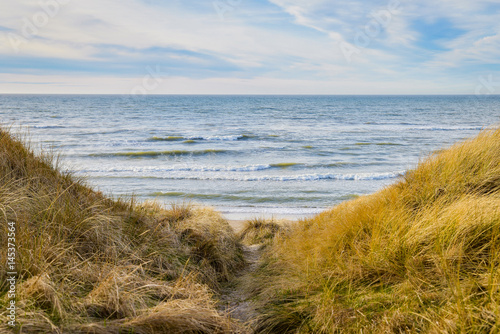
{"x": 237, "y": 225}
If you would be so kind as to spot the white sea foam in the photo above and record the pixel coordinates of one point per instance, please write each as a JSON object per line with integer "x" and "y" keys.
{"x": 187, "y": 174}
{"x": 244, "y": 168}
{"x": 218, "y": 138}
{"x": 208, "y": 138}
{"x": 270, "y": 210}
{"x": 437, "y": 128}
{"x": 340, "y": 177}
{"x": 155, "y": 169}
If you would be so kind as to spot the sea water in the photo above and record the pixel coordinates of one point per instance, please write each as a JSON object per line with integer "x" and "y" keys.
{"x": 282, "y": 156}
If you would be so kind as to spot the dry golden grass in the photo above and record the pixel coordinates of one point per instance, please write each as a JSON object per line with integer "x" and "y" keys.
{"x": 91, "y": 264}
{"x": 421, "y": 256}
{"x": 263, "y": 231}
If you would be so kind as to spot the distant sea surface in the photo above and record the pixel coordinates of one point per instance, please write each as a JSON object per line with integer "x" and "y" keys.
{"x": 282, "y": 156}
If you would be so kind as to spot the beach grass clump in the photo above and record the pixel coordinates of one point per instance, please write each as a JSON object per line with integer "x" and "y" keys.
{"x": 420, "y": 256}
{"x": 213, "y": 245}
{"x": 262, "y": 231}
{"x": 90, "y": 264}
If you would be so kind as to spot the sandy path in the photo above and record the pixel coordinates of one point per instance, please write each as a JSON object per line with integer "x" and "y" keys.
{"x": 234, "y": 300}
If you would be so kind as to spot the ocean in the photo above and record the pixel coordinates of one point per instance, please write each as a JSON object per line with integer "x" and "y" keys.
{"x": 247, "y": 156}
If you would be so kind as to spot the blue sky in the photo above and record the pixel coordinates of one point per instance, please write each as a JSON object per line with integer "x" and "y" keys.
{"x": 250, "y": 46}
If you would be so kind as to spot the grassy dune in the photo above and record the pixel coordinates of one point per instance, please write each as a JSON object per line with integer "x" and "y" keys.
{"x": 89, "y": 264}
{"x": 421, "y": 256}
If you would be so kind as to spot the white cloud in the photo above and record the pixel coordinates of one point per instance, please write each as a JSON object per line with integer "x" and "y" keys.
{"x": 84, "y": 26}
{"x": 297, "y": 49}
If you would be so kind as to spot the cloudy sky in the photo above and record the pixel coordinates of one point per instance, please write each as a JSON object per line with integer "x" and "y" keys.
{"x": 250, "y": 46}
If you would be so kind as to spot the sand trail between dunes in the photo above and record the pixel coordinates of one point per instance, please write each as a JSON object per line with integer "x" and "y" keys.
{"x": 234, "y": 299}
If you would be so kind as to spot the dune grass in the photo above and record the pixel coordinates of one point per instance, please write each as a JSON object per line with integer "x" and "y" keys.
{"x": 89, "y": 264}
{"x": 420, "y": 256}
{"x": 262, "y": 231}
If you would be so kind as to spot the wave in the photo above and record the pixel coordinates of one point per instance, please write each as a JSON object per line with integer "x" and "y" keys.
{"x": 169, "y": 138}
{"x": 284, "y": 165}
{"x": 378, "y": 144}
{"x": 245, "y": 168}
{"x": 222, "y": 138}
{"x": 201, "y": 138}
{"x": 305, "y": 177}
{"x": 248, "y": 168}
{"x": 152, "y": 154}
{"x": 231, "y": 198}
{"x": 339, "y": 177}
{"x": 433, "y": 128}
{"x": 388, "y": 144}
{"x": 259, "y": 210}
{"x": 48, "y": 127}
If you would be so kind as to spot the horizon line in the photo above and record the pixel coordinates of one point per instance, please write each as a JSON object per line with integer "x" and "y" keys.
{"x": 202, "y": 94}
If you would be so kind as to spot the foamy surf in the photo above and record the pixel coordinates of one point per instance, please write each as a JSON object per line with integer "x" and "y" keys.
{"x": 152, "y": 154}
{"x": 201, "y": 138}
{"x": 288, "y": 178}
{"x": 220, "y": 168}
{"x": 154, "y": 169}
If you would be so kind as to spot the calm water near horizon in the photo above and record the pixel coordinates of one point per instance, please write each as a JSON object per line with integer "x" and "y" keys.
{"x": 283, "y": 156}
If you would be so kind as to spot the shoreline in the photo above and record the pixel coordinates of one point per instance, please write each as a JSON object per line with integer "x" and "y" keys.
{"x": 237, "y": 222}
{"x": 237, "y": 225}
{"x": 248, "y": 213}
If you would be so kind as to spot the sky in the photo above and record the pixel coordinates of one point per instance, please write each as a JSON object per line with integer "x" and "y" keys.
{"x": 250, "y": 47}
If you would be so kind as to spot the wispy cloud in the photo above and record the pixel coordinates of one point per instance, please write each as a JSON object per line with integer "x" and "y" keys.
{"x": 276, "y": 46}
